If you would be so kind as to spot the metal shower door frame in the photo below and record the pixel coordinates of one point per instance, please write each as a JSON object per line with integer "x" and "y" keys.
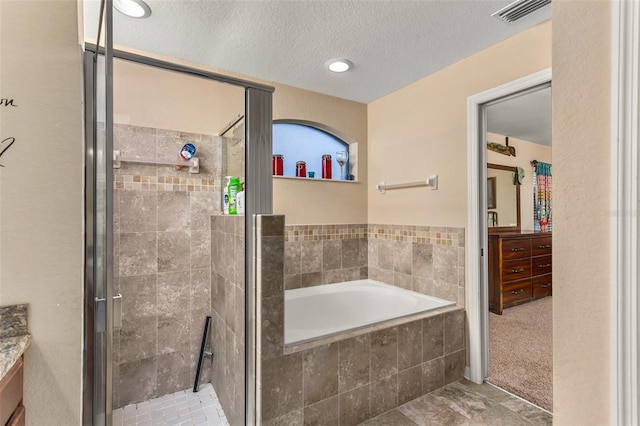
{"x": 258, "y": 136}
{"x": 97, "y": 390}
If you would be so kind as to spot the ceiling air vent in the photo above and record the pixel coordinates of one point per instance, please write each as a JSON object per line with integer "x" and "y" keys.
{"x": 519, "y": 9}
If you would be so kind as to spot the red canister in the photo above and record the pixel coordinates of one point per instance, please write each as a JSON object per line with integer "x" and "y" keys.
{"x": 277, "y": 162}
{"x": 301, "y": 169}
{"x": 326, "y": 166}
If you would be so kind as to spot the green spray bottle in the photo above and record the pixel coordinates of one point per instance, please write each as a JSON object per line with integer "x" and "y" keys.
{"x": 234, "y": 188}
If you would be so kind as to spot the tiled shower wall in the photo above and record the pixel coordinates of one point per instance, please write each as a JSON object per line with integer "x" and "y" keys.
{"x": 228, "y": 316}
{"x": 429, "y": 260}
{"x": 161, "y": 261}
{"x": 351, "y": 380}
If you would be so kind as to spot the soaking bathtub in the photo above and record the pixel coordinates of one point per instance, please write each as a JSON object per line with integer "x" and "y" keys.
{"x": 326, "y": 310}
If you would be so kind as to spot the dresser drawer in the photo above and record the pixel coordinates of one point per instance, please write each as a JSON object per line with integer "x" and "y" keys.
{"x": 541, "y": 246}
{"x": 541, "y": 265}
{"x": 516, "y": 269}
{"x": 542, "y": 286}
{"x": 516, "y": 249}
{"x": 516, "y": 293}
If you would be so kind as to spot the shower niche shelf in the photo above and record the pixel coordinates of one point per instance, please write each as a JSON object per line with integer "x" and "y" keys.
{"x": 315, "y": 179}
{"x": 193, "y": 164}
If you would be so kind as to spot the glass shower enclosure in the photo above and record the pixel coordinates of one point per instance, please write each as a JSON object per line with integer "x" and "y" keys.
{"x": 102, "y": 304}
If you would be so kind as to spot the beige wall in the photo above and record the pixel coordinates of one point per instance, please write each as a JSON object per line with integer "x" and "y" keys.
{"x": 421, "y": 130}
{"x": 525, "y": 153}
{"x": 139, "y": 90}
{"x": 152, "y": 97}
{"x": 581, "y": 290}
{"x": 41, "y": 199}
{"x": 316, "y": 202}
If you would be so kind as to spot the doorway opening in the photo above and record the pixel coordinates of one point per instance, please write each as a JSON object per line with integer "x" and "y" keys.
{"x": 519, "y": 235}
{"x": 513, "y": 283}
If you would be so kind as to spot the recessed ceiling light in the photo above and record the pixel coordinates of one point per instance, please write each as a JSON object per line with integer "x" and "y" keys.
{"x": 133, "y": 8}
{"x": 339, "y": 65}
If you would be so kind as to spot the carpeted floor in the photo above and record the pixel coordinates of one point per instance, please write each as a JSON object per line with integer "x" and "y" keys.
{"x": 521, "y": 351}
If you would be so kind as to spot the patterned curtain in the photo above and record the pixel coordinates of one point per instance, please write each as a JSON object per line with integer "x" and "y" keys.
{"x": 542, "y": 197}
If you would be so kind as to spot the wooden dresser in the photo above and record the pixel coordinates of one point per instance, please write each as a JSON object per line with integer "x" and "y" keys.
{"x": 520, "y": 268}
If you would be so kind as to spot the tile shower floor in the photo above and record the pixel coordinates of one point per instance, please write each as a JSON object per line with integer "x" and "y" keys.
{"x": 180, "y": 408}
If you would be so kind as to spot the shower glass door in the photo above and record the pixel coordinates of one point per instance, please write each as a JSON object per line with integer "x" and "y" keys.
{"x": 238, "y": 393}
{"x": 99, "y": 312}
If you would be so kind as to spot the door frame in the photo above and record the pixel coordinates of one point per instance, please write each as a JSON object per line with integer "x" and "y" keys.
{"x": 477, "y": 300}
{"x": 624, "y": 226}
{"x": 625, "y": 195}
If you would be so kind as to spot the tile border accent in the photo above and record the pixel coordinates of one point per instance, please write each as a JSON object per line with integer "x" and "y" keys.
{"x": 438, "y": 235}
{"x": 165, "y": 183}
{"x": 324, "y": 232}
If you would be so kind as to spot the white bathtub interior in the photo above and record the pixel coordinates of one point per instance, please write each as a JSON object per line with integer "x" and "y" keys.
{"x": 322, "y": 311}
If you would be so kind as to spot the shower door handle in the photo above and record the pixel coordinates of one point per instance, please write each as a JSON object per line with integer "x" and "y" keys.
{"x": 117, "y": 312}
{"x": 100, "y": 316}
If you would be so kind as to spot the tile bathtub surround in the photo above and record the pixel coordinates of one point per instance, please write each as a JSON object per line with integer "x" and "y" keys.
{"x": 162, "y": 261}
{"x": 228, "y": 309}
{"x": 270, "y": 284}
{"x": 351, "y": 380}
{"x": 324, "y": 254}
{"x": 429, "y": 260}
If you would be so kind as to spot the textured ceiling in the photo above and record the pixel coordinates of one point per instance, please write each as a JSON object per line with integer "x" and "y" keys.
{"x": 391, "y": 43}
{"x": 527, "y": 117}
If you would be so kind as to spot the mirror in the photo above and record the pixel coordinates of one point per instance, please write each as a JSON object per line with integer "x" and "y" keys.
{"x": 503, "y": 198}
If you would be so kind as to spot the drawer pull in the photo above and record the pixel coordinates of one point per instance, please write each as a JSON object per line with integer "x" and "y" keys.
{"x": 545, "y": 285}
{"x": 517, "y": 271}
{"x": 517, "y": 291}
{"x": 518, "y": 249}
{"x": 545, "y": 246}
{"x": 546, "y": 265}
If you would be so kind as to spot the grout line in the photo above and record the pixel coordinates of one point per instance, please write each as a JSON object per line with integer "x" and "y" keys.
{"x": 398, "y": 366}
{"x": 157, "y": 272}
{"x": 370, "y": 334}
